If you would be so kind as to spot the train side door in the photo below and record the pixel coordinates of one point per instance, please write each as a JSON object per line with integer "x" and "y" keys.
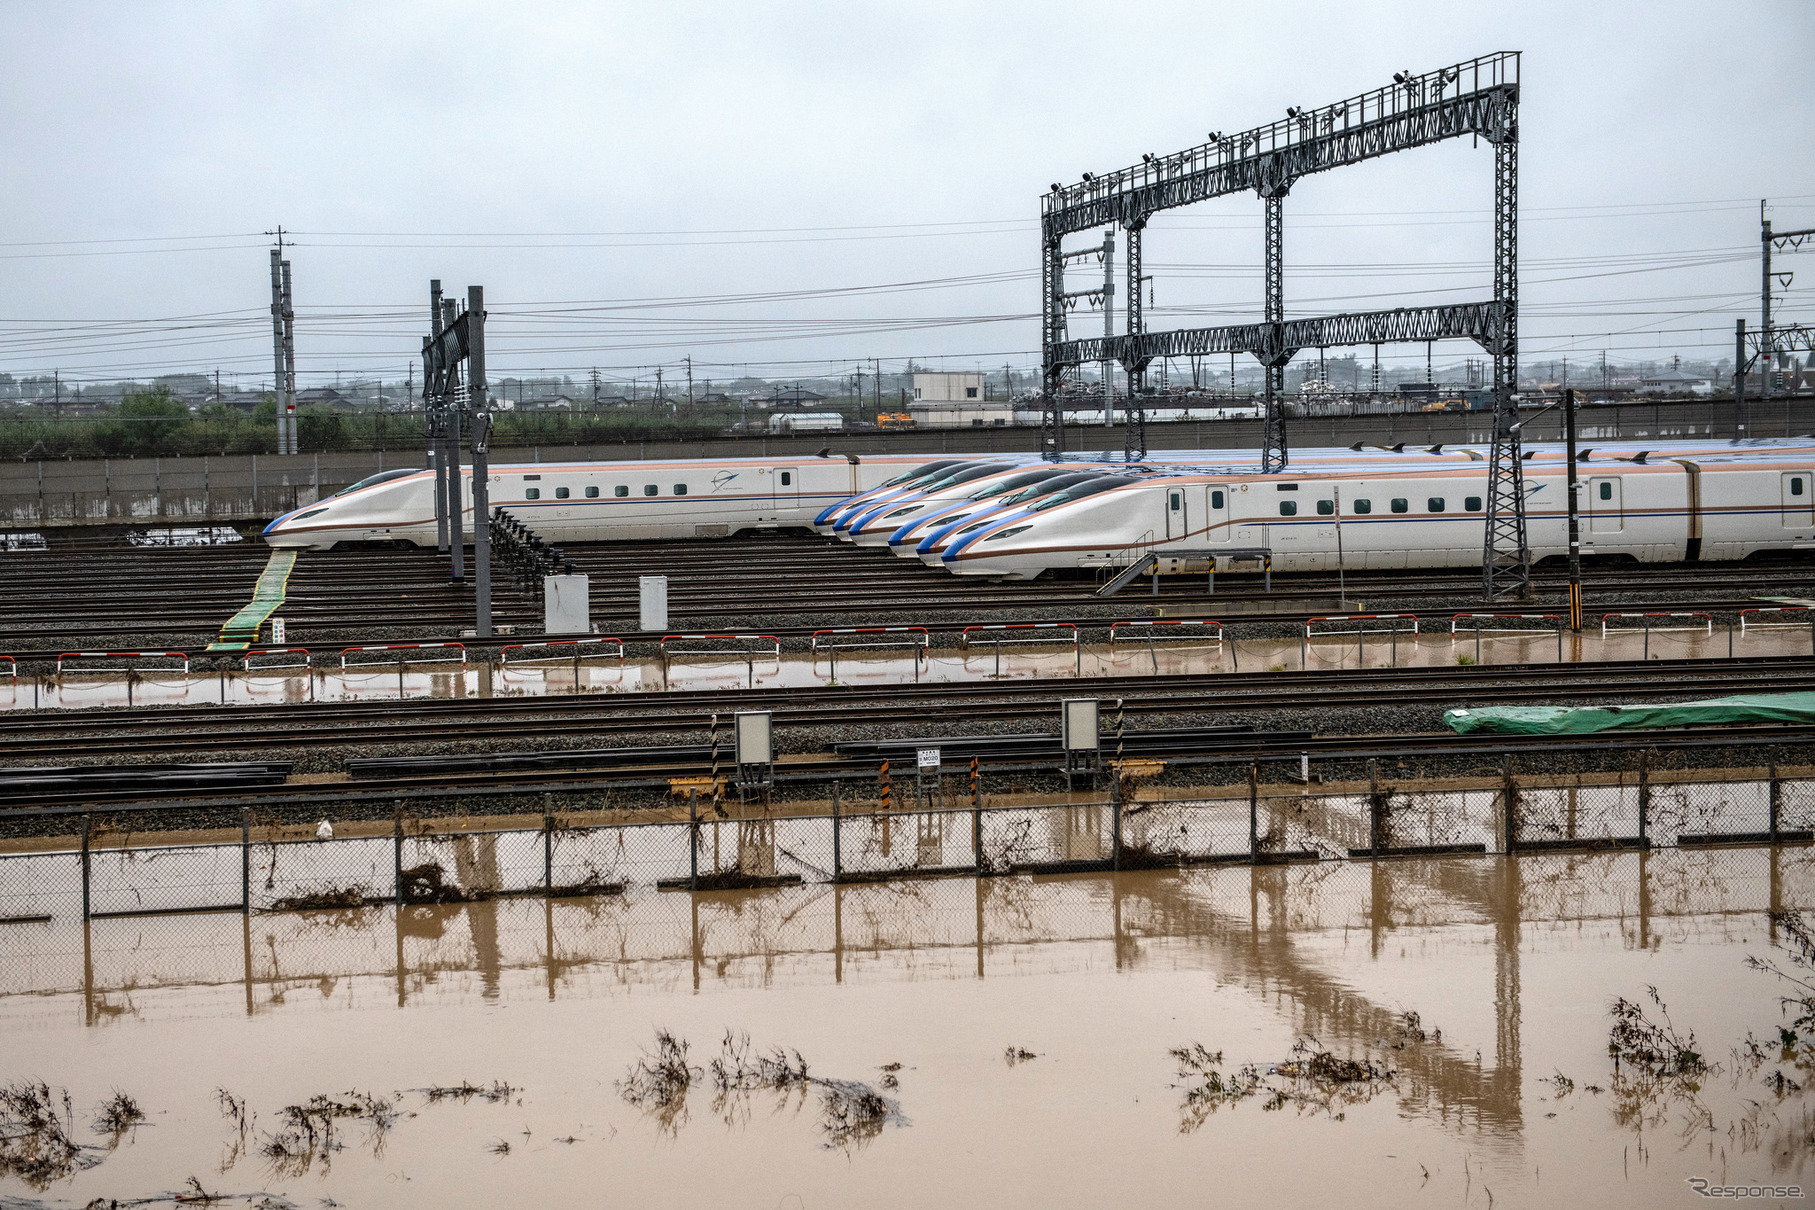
{"x": 1216, "y": 514}
{"x": 1604, "y": 508}
{"x": 1175, "y": 514}
{"x": 1798, "y": 497}
{"x": 785, "y": 483}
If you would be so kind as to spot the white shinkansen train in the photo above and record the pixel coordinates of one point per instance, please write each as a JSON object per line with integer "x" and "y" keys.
{"x": 1017, "y": 517}
{"x": 599, "y": 501}
{"x": 1392, "y": 509}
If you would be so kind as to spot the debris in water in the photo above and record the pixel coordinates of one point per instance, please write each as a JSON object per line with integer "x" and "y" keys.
{"x": 1017, "y": 1054}
{"x": 658, "y": 1082}
{"x": 1655, "y": 1049}
{"x": 34, "y": 1138}
{"x": 324, "y": 830}
{"x": 331, "y": 899}
{"x": 118, "y": 1113}
{"x": 1561, "y": 1085}
{"x": 1311, "y": 1078}
{"x": 853, "y": 1114}
{"x": 307, "y": 1136}
{"x": 738, "y": 1069}
{"x": 498, "y": 1147}
{"x": 466, "y": 1090}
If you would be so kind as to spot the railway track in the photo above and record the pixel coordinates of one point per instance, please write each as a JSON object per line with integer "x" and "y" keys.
{"x": 610, "y": 719}
{"x": 52, "y": 600}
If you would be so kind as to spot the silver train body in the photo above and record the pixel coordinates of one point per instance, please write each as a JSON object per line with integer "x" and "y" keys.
{"x": 1388, "y": 509}
{"x": 598, "y": 501}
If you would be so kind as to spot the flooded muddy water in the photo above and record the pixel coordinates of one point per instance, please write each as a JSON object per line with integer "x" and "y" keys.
{"x": 1032, "y": 1019}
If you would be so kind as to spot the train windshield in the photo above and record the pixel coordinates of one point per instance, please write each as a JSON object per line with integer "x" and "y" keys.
{"x": 1015, "y": 481}
{"x": 1100, "y": 483}
{"x": 1048, "y": 486}
{"x": 375, "y": 480}
{"x": 921, "y": 471}
{"x": 965, "y": 475}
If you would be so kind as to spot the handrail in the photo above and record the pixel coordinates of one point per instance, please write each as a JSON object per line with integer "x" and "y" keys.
{"x": 1457, "y": 619}
{"x": 1165, "y": 622}
{"x": 1744, "y": 624}
{"x": 1361, "y": 617}
{"x": 1707, "y": 626}
{"x": 965, "y": 635}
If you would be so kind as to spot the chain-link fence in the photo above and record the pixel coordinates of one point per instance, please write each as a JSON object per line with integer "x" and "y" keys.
{"x": 111, "y": 875}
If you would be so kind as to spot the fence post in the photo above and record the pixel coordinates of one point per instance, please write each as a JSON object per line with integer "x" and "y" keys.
{"x": 1253, "y": 811}
{"x": 837, "y": 836}
{"x": 693, "y": 841}
{"x": 882, "y": 778}
{"x": 1115, "y": 822}
{"x": 548, "y": 855}
{"x": 245, "y": 860}
{"x": 397, "y": 852}
{"x": 1776, "y": 800}
{"x": 1509, "y": 807}
{"x": 87, "y": 829}
{"x": 1644, "y": 796}
{"x": 1374, "y": 808}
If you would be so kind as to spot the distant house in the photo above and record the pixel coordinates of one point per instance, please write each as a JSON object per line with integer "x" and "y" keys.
{"x": 952, "y": 401}
{"x": 787, "y": 397}
{"x": 324, "y": 397}
{"x": 545, "y": 403}
{"x": 1674, "y": 382}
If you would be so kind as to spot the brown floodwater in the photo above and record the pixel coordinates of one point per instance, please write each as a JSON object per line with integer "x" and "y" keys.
{"x": 1514, "y": 960}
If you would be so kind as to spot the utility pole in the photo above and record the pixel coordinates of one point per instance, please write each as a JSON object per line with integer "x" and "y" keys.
{"x": 277, "y": 343}
{"x": 1108, "y": 326}
{"x": 1575, "y": 530}
{"x": 456, "y": 502}
{"x": 1739, "y": 381}
{"x": 1766, "y": 355}
{"x": 290, "y": 361}
{"x": 689, "y": 361}
{"x": 482, "y": 429}
{"x": 432, "y": 407}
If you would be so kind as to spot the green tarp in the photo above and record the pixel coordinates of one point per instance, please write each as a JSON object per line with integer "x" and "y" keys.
{"x": 1582, "y": 720}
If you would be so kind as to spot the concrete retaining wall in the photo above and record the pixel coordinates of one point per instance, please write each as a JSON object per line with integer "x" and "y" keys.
{"x": 246, "y": 488}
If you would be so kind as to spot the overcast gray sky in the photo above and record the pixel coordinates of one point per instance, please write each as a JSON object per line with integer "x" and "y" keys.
{"x": 582, "y": 160}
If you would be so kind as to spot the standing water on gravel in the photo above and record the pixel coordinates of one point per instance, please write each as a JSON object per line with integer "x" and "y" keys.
{"x": 1418, "y": 1031}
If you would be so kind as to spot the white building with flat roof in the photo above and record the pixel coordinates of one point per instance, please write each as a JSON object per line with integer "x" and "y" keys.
{"x": 956, "y": 401}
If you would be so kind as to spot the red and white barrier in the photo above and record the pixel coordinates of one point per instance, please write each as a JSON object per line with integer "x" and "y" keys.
{"x": 1394, "y": 618}
{"x": 1457, "y": 619}
{"x": 1756, "y": 620}
{"x": 125, "y": 655}
{"x": 723, "y": 638}
{"x": 551, "y": 656}
{"x": 1645, "y": 623}
{"x": 246, "y": 662}
{"x": 1013, "y": 632}
{"x": 458, "y": 648}
{"x": 917, "y": 636}
{"x": 1182, "y": 629}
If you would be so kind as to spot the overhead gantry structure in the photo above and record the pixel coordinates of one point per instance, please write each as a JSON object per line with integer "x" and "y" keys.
{"x": 1478, "y": 98}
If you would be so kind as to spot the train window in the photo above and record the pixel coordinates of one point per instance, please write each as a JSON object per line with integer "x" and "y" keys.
{"x": 561, "y": 493}
{"x": 532, "y": 493}
{"x": 1472, "y": 504}
{"x": 649, "y": 489}
{"x": 1285, "y": 487}
{"x": 680, "y": 489}
{"x": 1606, "y": 491}
{"x": 1796, "y": 486}
{"x": 1364, "y": 506}
{"x": 1216, "y": 499}
{"x": 1175, "y": 500}
{"x": 1399, "y": 504}
{"x": 1326, "y": 507}
{"x": 787, "y": 477}
{"x": 592, "y": 493}
{"x": 1435, "y": 504}
{"x": 529, "y": 477}
{"x": 620, "y": 490}
{"x": 1288, "y": 508}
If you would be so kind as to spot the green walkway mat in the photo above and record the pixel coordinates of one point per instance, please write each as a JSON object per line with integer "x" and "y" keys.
{"x": 241, "y": 630}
